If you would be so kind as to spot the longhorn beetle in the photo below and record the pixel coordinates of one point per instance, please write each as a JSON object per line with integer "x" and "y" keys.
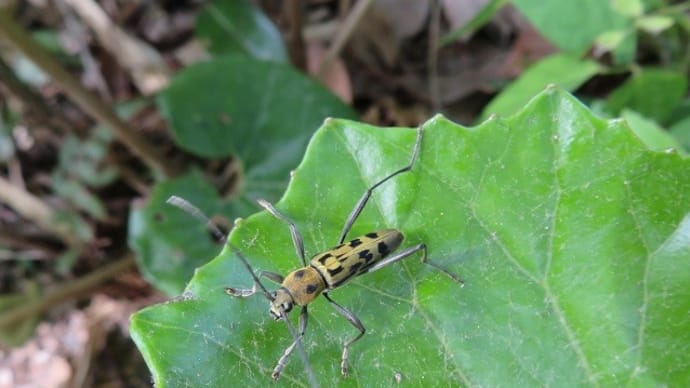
{"x": 326, "y": 270}
{"x": 196, "y": 212}
{"x": 331, "y": 269}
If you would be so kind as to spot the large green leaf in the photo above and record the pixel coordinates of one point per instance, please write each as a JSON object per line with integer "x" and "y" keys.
{"x": 572, "y": 237}
{"x": 261, "y": 112}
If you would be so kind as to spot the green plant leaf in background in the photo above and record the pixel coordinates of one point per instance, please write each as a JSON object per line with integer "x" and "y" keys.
{"x": 170, "y": 244}
{"x": 571, "y": 25}
{"x": 630, "y": 8}
{"x": 654, "y": 24}
{"x": 238, "y": 27}
{"x": 681, "y": 132}
{"x": 654, "y": 93}
{"x": 622, "y": 43}
{"x": 651, "y": 134}
{"x": 18, "y": 333}
{"x": 562, "y": 70}
{"x": 572, "y": 237}
{"x": 261, "y": 112}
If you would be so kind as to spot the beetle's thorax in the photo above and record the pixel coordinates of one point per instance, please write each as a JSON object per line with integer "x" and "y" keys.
{"x": 299, "y": 287}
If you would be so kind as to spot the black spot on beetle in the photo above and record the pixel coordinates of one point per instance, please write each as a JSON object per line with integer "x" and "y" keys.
{"x": 383, "y": 249}
{"x": 355, "y": 243}
{"x": 372, "y": 235}
{"x": 335, "y": 271}
{"x": 367, "y": 266}
{"x": 352, "y": 270}
{"x": 366, "y": 255}
{"x": 323, "y": 258}
{"x": 299, "y": 273}
{"x": 311, "y": 288}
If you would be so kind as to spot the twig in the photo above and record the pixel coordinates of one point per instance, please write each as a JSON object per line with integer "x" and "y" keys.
{"x": 70, "y": 290}
{"x": 293, "y": 9}
{"x": 32, "y": 103}
{"x": 344, "y": 33}
{"x": 34, "y": 209}
{"x": 86, "y": 100}
{"x": 432, "y": 59}
{"x": 147, "y": 68}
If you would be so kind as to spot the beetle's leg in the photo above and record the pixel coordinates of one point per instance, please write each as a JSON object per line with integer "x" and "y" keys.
{"x": 243, "y": 292}
{"x": 410, "y": 251}
{"x": 297, "y": 240}
{"x": 367, "y": 194}
{"x": 303, "y": 318}
{"x": 352, "y": 318}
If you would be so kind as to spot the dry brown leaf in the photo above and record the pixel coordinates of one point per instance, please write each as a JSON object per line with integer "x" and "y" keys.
{"x": 460, "y": 12}
{"x": 405, "y": 18}
{"x": 336, "y": 78}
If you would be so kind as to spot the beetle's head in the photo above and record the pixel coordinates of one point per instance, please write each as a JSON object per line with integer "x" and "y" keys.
{"x": 282, "y": 300}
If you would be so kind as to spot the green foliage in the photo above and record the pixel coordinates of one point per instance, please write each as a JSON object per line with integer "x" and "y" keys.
{"x": 262, "y": 113}
{"x": 571, "y": 235}
{"x": 230, "y": 106}
{"x": 7, "y": 148}
{"x": 237, "y": 106}
{"x": 654, "y": 93}
{"x": 613, "y": 26}
{"x": 650, "y": 132}
{"x": 18, "y": 333}
{"x": 681, "y": 131}
{"x": 169, "y": 242}
{"x": 237, "y": 27}
{"x": 571, "y": 26}
{"x": 562, "y": 70}
{"x": 83, "y": 165}
{"x": 654, "y": 96}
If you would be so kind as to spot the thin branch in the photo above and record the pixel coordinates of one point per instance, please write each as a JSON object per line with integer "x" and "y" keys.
{"x": 75, "y": 289}
{"x": 344, "y": 33}
{"x": 34, "y": 209}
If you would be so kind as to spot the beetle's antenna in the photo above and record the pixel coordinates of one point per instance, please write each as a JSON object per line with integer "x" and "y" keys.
{"x": 302, "y": 352}
{"x": 194, "y": 211}
{"x": 268, "y": 295}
